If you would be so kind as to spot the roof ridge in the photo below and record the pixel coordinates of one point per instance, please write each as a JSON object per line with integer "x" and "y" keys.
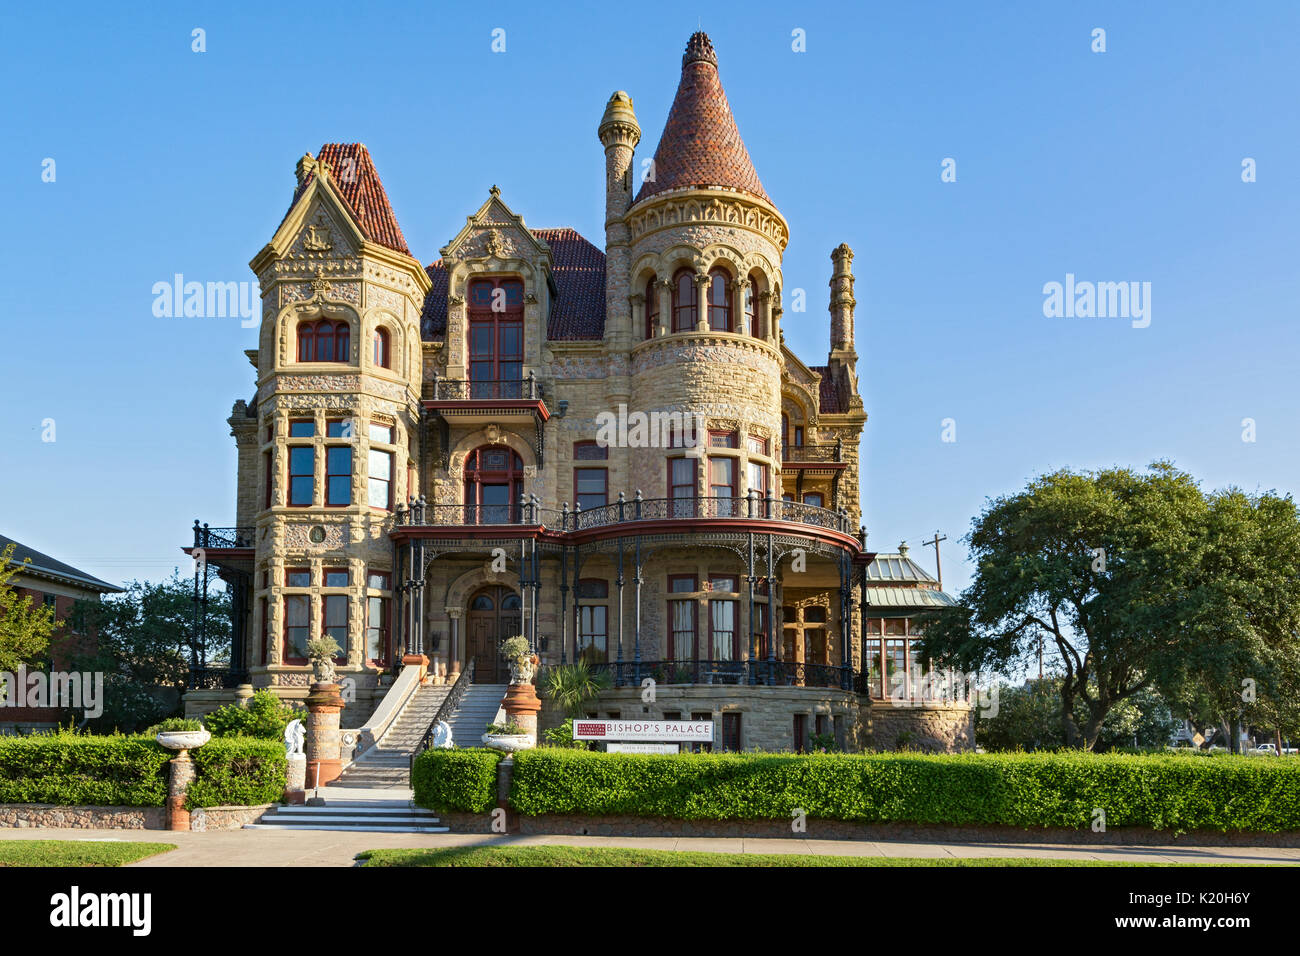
{"x": 355, "y": 177}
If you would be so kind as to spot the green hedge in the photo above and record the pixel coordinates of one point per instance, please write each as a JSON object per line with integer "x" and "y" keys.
{"x": 237, "y": 771}
{"x": 1173, "y": 792}
{"x": 72, "y": 770}
{"x": 456, "y": 780}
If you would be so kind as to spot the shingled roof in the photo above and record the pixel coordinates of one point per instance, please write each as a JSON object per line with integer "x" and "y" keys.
{"x": 354, "y": 175}
{"x": 701, "y": 145}
{"x": 828, "y": 395}
{"x": 578, "y": 308}
{"x": 42, "y": 565}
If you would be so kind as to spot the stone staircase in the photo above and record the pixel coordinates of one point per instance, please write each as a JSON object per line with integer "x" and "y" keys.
{"x": 380, "y": 816}
{"x": 477, "y": 709}
{"x": 387, "y": 765}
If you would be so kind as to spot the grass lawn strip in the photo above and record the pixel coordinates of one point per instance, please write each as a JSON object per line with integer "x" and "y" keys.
{"x": 77, "y": 852}
{"x": 530, "y": 856}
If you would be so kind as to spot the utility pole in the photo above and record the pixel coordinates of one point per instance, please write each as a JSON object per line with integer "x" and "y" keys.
{"x": 937, "y": 566}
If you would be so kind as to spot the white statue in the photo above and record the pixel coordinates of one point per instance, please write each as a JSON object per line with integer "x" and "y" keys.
{"x": 294, "y": 736}
{"x": 442, "y": 735}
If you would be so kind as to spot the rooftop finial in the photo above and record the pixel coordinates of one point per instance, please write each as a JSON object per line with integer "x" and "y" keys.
{"x": 902, "y": 548}
{"x": 699, "y": 47}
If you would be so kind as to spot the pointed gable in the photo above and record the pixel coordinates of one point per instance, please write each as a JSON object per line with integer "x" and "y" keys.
{"x": 701, "y": 145}
{"x": 353, "y": 174}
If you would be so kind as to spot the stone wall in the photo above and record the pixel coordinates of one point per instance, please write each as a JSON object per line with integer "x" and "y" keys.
{"x": 929, "y": 729}
{"x": 43, "y": 815}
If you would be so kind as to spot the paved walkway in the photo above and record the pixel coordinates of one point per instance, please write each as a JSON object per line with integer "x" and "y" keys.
{"x": 331, "y": 848}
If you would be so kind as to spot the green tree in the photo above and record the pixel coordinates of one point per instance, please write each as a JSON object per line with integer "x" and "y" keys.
{"x": 1136, "y": 581}
{"x": 1029, "y": 718}
{"x": 145, "y": 638}
{"x": 24, "y": 628}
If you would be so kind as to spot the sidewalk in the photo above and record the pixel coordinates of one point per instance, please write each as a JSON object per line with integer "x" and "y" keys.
{"x": 339, "y": 848}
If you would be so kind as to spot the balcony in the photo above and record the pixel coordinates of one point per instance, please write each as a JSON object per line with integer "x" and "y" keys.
{"x": 230, "y": 548}
{"x": 622, "y": 513}
{"x": 507, "y": 401}
{"x": 759, "y": 671}
{"x": 814, "y": 458}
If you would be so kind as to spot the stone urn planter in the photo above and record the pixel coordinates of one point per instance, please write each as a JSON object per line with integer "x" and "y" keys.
{"x": 183, "y": 740}
{"x": 509, "y": 742}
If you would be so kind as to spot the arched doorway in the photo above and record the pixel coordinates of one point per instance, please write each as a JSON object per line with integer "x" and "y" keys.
{"x": 494, "y": 615}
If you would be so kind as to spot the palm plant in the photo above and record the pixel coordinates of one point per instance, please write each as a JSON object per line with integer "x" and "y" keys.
{"x": 571, "y": 686}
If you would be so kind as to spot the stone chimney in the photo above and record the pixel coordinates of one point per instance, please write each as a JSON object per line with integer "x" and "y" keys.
{"x": 841, "y": 306}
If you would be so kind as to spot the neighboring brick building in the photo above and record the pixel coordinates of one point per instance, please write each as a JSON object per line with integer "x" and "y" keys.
{"x": 46, "y": 580}
{"x": 427, "y": 466}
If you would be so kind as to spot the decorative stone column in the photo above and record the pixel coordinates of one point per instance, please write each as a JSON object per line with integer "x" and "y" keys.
{"x": 324, "y": 706}
{"x": 243, "y": 694}
{"x": 521, "y": 702}
{"x": 178, "y": 784}
{"x": 453, "y": 644}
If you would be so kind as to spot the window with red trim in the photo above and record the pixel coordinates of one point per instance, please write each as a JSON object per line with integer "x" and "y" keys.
{"x": 651, "y": 307}
{"x": 335, "y": 607}
{"x": 379, "y": 353}
{"x": 685, "y": 304}
{"x": 338, "y": 476}
{"x": 379, "y": 484}
{"x": 297, "y": 621}
{"x": 267, "y": 465}
{"x": 681, "y": 486}
{"x": 496, "y": 338}
{"x": 494, "y": 478}
{"x": 302, "y": 475}
{"x": 751, "y": 308}
{"x": 719, "y": 299}
{"x": 325, "y": 340}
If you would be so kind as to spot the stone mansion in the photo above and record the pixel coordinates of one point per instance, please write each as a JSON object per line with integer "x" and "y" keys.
{"x": 422, "y": 470}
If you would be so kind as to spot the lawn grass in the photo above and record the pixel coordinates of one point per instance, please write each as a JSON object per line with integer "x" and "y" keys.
{"x": 529, "y": 856}
{"x": 76, "y": 852}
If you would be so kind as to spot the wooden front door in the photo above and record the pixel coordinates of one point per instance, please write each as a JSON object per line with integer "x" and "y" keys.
{"x": 493, "y": 616}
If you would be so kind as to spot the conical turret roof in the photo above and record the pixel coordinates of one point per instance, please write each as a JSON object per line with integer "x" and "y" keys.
{"x": 701, "y": 145}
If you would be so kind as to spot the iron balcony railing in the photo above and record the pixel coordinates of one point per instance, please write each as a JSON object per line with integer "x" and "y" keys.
{"x": 529, "y": 512}
{"x": 469, "y": 390}
{"x": 205, "y": 537}
{"x": 214, "y": 678}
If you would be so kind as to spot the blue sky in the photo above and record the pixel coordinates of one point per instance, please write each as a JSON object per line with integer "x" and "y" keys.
{"x": 1116, "y": 166}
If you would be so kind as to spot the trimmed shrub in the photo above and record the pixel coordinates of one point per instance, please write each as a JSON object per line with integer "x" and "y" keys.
{"x": 74, "y": 770}
{"x": 266, "y": 716}
{"x": 237, "y": 771}
{"x": 1163, "y": 792}
{"x": 456, "y": 780}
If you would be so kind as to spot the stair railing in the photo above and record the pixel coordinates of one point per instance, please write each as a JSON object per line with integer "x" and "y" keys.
{"x": 446, "y": 709}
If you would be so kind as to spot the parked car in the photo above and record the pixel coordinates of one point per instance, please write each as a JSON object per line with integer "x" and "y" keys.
{"x": 1263, "y": 750}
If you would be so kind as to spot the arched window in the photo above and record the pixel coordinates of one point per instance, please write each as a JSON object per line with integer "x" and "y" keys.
{"x": 382, "y": 357}
{"x": 494, "y": 478}
{"x": 651, "y": 307}
{"x": 323, "y": 341}
{"x": 685, "y": 305}
{"x": 751, "y": 306}
{"x": 496, "y": 338}
{"x": 719, "y": 301}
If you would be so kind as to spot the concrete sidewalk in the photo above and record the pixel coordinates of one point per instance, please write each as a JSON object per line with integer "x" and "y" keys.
{"x": 339, "y": 848}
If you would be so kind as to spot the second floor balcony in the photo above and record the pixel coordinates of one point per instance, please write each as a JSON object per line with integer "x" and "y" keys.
{"x": 624, "y": 511}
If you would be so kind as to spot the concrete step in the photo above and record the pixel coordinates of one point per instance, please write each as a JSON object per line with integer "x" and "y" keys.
{"x": 367, "y": 816}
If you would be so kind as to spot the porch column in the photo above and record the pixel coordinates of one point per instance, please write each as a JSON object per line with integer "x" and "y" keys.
{"x": 453, "y": 644}
{"x": 636, "y": 627}
{"x": 771, "y": 615}
{"x": 577, "y": 597}
{"x": 863, "y": 659}
{"x": 618, "y": 582}
{"x": 846, "y": 622}
{"x": 751, "y": 664}
{"x": 564, "y": 601}
{"x": 536, "y": 576}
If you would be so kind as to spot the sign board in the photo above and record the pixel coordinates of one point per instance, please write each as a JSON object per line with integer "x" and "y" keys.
{"x": 649, "y": 730}
{"x": 615, "y": 748}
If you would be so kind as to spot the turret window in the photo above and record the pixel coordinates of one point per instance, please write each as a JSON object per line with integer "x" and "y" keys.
{"x": 380, "y": 349}
{"x": 651, "y": 308}
{"x": 323, "y": 341}
{"x": 719, "y": 302}
{"x": 685, "y": 306}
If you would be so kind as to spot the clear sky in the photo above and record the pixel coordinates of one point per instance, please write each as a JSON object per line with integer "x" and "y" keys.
{"x": 1122, "y": 166}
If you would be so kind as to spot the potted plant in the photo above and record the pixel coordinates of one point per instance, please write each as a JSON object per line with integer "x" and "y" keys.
{"x": 178, "y": 733}
{"x": 508, "y": 737}
{"x": 523, "y": 663}
{"x": 321, "y": 652}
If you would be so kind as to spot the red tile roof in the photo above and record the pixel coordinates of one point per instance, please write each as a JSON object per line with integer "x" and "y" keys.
{"x": 828, "y": 397}
{"x": 355, "y": 177}
{"x": 578, "y": 306}
{"x": 701, "y": 145}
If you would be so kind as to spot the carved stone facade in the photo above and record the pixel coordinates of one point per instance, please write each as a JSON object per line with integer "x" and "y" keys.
{"x": 492, "y": 376}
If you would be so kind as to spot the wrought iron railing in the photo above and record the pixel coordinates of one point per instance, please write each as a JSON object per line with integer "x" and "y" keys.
{"x": 758, "y": 671}
{"x": 469, "y": 390}
{"x": 214, "y": 678}
{"x": 447, "y": 708}
{"x": 205, "y": 537}
{"x": 528, "y": 512}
